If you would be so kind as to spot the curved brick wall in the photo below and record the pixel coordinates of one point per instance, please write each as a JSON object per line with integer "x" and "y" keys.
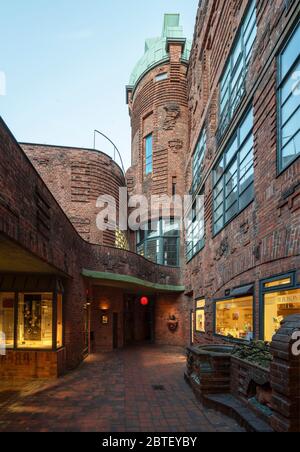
{"x": 76, "y": 178}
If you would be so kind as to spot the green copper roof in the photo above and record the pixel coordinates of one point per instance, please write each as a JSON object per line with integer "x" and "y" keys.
{"x": 156, "y": 48}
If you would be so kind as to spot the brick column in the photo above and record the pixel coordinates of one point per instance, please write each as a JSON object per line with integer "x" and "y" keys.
{"x": 285, "y": 377}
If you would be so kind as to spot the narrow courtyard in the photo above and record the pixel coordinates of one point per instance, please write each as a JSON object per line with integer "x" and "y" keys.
{"x": 138, "y": 389}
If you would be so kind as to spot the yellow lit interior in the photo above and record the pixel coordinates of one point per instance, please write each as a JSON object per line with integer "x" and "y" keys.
{"x": 200, "y": 316}
{"x": 59, "y": 340}
{"x": 279, "y": 282}
{"x": 35, "y": 320}
{"x": 234, "y": 318}
{"x": 279, "y": 305}
{"x": 7, "y": 317}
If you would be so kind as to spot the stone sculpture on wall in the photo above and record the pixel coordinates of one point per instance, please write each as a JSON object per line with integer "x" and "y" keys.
{"x": 172, "y": 114}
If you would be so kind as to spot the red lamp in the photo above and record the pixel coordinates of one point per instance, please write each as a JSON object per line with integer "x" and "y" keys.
{"x": 144, "y": 301}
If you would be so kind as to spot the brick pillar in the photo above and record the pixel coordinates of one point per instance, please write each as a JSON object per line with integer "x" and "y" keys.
{"x": 285, "y": 377}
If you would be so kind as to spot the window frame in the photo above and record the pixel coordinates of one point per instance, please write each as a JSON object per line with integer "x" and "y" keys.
{"x": 197, "y": 160}
{"x": 159, "y": 237}
{"x": 231, "y": 69}
{"x": 202, "y": 310}
{"x": 280, "y": 81}
{"x": 226, "y": 166}
{"x": 147, "y": 157}
{"x": 54, "y": 347}
{"x": 200, "y": 244}
{"x": 267, "y": 290}
{"x": 224, "y": 299}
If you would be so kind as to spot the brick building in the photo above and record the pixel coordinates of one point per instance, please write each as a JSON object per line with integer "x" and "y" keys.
{"x": 217, "y": 118}
{"x": 242, "y": 272}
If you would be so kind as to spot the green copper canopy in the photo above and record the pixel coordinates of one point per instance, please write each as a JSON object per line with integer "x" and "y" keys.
{"x": 156, "y": 48}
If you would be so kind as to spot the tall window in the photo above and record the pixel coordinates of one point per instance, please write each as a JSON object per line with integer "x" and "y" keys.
{"x": 7, "y": 301}
{"x": 233, "y": 176}
{"x": 35, "y": 320}
{"x": 234, "y": 318}
{"x": 149, "y": 154}
{"x": 289, "y": 101}
{"x": 195, "y": 230}
{"x": 160, "y": 242}
{"x": 200, "y": 316}
{"x": 281, "y": 298}
{"x": 232, "y": 83}
{"x": 198, "y": 160}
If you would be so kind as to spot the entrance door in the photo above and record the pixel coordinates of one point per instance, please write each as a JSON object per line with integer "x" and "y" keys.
{"x": 138, "y": 320}
{"x": 115, "y": 330}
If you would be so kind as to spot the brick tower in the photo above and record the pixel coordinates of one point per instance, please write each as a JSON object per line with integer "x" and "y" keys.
{"x": 158, "y": 106}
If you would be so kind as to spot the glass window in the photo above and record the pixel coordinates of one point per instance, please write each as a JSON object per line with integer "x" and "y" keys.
{"x": 162, "y": 77}
{"x": 149, "y": 154}
{"x": 7, "y": 301}
{"x": 289, "y": 99}
{"x": 232, "y": 83}
{"x": 234, "y": 318}
{"x": 278, "y": 306}
{"x": 160, "y": 242}
{"x": 198, "y": 160}
{"x": 59, "y": 339}
{"x": 200, "y": 316}
{"x": 195, "y": 228}
{"x": 278, "y": 282}
{"x": 35, "y": 315}
{"x": 234, "y": 175}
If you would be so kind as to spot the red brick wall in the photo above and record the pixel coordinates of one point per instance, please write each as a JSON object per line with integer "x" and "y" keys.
{"x": 264, "y": 240}
{"x": 76, "y": 178}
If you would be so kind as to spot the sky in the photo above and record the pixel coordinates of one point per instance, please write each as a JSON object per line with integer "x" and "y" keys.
{"x": 66, "y": 63}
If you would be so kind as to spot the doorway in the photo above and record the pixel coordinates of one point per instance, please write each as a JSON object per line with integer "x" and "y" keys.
{"x": 138, "y": 320}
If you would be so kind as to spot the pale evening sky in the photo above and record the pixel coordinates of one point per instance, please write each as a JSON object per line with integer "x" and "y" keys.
{"x": 66, "y": 64}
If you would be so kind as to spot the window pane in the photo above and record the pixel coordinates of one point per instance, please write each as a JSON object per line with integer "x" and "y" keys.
{"x": 246, "y": 197}
{"x": 200, "y": 320}
{"x": 231, "y": 151}
{"x": 170, "y": 228}
{"x": 246, "y": 126}
{"x": 170, "y": 250}
{"x": 290, "y": 151}
{"x": 278, "y": 282}
{"x": 35, "y": 321}
{"x": 59, "y": 340}
{"x": 290, "y": 53}
{"x": 291, "y": 128}
{"x": 288, "y": 88}
{"x": 149, "y": 154}
{"x": 278, "y": 306}
{"x": 152, "y": 250}
{"x": 234, "y": 318}
{"x": 7, "y": 301}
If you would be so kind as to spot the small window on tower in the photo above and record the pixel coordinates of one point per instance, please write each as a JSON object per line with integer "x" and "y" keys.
{"x": 161, "y": 77}
{"x": 149, "y": 154}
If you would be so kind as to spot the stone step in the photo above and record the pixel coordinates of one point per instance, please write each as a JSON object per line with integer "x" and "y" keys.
{"x": 231, "y": 406}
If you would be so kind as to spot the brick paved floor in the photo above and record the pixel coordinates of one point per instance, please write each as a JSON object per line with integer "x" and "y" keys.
{"x": 112, "y": 393}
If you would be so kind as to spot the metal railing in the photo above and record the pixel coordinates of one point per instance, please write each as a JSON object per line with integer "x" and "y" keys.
{"x": 116, "y": 150}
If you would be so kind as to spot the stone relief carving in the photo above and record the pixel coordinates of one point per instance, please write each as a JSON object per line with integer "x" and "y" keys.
{"x": 176, "y": 145}
{"x": 223, "y": 249}
{"x": 172, "y": 114}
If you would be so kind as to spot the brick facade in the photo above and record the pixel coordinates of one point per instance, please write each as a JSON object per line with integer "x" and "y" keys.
{"x": 263, "y": 240}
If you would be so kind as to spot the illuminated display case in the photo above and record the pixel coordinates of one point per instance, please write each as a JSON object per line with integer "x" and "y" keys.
{"x": 234, "y": 318}
{"x": 32, "y": 320}
{"x": 280, "y": 299}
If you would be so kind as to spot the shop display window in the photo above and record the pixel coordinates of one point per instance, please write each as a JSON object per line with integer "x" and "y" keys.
{"x": 234, "y": 318}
